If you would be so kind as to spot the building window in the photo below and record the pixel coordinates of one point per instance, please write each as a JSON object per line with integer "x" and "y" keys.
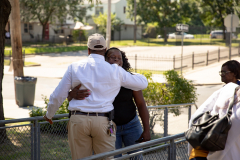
{"x": 28, "y": 27}
{"x": 98, "y": 10}
{"x": 59, "y": 30}
{"x": 25, "y": 28}
{"x": 124, "y": 9}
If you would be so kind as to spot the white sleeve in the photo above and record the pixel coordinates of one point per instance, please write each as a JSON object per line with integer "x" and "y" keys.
{"x": 206, "y": 106}
{"x": 134, "y": 82}
{"x": 60, "y": 93}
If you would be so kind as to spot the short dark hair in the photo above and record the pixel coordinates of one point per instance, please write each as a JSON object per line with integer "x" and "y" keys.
{"x": 234, "y": 67}
{"x": 98, "y": 51}
{"x": 126, "y": 64}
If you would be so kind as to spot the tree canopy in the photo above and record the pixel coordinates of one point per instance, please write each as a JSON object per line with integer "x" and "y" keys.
{"x": 101, "y": 22}
{"x": 165, "y": 13}
{"x": 53, "y": 11}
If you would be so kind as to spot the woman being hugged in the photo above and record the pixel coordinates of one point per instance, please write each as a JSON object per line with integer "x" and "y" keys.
{"x": 129, "y": 129}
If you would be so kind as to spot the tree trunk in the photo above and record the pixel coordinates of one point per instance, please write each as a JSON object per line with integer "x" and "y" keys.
{"x": 5, "y": 9}
{"x": 165, "y": 35}
{"x": 16, "y": 38}
{"x": 224, "y": 31}
{"x": 43, "y": 32}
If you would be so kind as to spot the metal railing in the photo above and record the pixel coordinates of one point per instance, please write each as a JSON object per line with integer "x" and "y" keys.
{"x": 157, "y": 64}
{"x": 35, "y": 139}
{"x": 169, "y": 148}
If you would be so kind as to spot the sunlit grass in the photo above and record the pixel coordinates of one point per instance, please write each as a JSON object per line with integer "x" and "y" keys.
{"x": 7, "y": 63}
{"x": 57, "y": 48}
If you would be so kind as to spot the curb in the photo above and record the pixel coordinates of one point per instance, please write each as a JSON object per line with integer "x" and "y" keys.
{"x": 208, "y": 84}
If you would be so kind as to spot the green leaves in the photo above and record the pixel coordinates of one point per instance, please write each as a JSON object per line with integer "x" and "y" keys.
{"x": 36, "y": 111}
{"x": 101, "y": 22}
{"x": 181, "y": 90}
{"x": 177, "y": 90}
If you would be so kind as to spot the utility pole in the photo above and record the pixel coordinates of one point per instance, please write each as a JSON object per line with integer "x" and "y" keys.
{"x": 16, "y": 38}
{"x": 135, "y": 27}
{"x": 108, "y": 36}
{"x": 16, "y": 41}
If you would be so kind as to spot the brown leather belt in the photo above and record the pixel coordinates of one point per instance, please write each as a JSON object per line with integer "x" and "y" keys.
{"x": 89, "y": 113}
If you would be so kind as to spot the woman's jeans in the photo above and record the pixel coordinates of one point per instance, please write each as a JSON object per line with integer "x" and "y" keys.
{"x": 127, "y": 134}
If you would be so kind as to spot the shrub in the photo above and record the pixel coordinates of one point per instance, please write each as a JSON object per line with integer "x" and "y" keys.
{"x": 42, "y": 111}
{"x": 178, "y": 90}
{"x": 56, "y": 128}
{"x": 76, "y": 35}
{"x": 151, "y": 32}
{"x": 181, "y": 90}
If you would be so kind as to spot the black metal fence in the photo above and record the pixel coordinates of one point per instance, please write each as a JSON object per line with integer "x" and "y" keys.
{"x": 40, "y": 140}
{"x": 157, "y": 64}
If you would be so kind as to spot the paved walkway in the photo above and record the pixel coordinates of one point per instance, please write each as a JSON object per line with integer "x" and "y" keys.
{"x": 54, "y": 66}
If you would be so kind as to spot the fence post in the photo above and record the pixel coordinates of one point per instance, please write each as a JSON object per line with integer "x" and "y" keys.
{"x": 239, "y": 49}
{"x": 38, "y": 142}
{"x": 189, "y": 113}
{"x": 35, "y": 130}
{"x": 165, "y": 122}
{"x": 32, "y": 142}
{"x": 218, "y": 54}
{"x": 135, "y": 63}
{"x": 207, "y": 58}
{"x": 24, "y": 57}
{"x": 172, "y": 151}
{"x": 193, "y": 60}
{"x": 10, "y": 57}
{"x": 173, "y": 62}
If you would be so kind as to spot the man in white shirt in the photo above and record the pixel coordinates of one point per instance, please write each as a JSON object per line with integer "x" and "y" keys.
{"x": 89, "y": 128}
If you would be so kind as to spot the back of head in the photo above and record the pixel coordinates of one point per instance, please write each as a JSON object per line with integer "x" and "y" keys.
{"x": 234, "y": 67}
{"x": 97, "y": 44}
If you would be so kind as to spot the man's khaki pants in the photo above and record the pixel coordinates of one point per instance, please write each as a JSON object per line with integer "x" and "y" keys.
{"x": 89, "y": 133}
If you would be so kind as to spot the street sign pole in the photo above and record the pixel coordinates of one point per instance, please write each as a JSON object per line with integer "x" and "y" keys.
{"x": 182, "y": 28}
{"x": 182, "y": 54}
{"x": 230, "y": 43}
{"x": 231, "y": 22}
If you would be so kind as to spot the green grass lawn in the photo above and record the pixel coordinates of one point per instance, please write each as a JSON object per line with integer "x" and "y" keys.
{"x": 7, "y": 63}
{"x": 172, "y": 42}
{"x": 48, "y": 48}
{"x": 55, "y": 49}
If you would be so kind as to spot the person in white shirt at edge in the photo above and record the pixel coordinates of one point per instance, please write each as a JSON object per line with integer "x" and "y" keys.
{"x": 218, "y": 103}
{"x": 89, "y": 127}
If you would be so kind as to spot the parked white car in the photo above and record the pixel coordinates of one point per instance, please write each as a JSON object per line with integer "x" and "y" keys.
{"x": 178, "y": 35}
{"x": 218, "y": 34}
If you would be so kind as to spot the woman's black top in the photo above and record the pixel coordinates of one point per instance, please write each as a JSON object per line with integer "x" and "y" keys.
{"x": 124, "y": 107}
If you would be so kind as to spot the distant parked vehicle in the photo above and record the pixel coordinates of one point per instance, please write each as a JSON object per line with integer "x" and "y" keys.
{"x": 178, "y": 35}
{"x": 218, "y": 34}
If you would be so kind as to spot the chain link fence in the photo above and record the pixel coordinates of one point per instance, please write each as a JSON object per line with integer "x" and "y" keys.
{"x": 168, "y": 148}
{"x": 36, "y": 139}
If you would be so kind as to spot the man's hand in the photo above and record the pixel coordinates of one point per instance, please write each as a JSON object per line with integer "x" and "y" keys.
{"x": 78, "y": 94}
{"x": 49, "y": 120}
